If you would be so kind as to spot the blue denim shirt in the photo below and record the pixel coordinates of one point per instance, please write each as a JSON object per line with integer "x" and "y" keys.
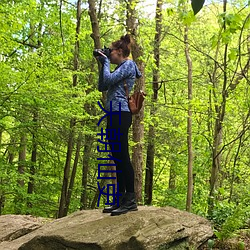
{"x": 113, "y": 82}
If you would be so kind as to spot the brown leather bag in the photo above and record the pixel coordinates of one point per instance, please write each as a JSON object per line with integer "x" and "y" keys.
{"x": 135, "y": 101}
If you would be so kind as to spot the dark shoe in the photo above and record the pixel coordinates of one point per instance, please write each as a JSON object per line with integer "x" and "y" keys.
{"x": 128, "y": 204}
{"x": 115, "y": 206}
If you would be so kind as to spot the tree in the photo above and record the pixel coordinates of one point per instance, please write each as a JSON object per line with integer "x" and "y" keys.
{"x": 66, "y": 190}
{"x": 189, "y": 124}
{"x": 39, "y": 63}
{"x": 137, "y": 126}
{"x": 151, "y": 134}
{"x": 220, "y": 107}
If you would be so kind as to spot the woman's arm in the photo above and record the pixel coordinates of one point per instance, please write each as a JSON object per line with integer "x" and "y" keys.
{"x": 123, "y": 72}
{"x": 101, "y": 85}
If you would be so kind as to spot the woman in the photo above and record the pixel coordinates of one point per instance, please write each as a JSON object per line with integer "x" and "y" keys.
{"x": 125, "y": 72}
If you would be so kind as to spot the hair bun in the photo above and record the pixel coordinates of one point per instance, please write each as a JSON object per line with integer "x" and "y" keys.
{"x": 126, "y": 39}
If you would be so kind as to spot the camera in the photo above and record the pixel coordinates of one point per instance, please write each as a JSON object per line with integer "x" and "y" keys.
{"x": 106, "y": 51}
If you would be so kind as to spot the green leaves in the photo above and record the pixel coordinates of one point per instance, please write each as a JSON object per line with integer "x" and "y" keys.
{"x": 41, "y": 80}
{"x": 197, "y": 5}
{"x": 187, "y": 17}
{"x": 233, "y": 54}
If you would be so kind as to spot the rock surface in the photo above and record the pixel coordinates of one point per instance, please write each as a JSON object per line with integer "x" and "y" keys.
{"x": 15, "y": 226}
{"x": 147, "y": 229}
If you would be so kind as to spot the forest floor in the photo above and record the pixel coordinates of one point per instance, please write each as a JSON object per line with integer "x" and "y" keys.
{"x": 241, "y": 242}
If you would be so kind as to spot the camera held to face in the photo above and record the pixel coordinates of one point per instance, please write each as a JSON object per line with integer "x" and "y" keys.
{"x": 106, "y": 51}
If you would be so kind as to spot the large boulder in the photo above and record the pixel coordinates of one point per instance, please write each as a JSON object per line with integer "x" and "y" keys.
{"x": 15, "y": 226}
{"x": 147, "y": 229}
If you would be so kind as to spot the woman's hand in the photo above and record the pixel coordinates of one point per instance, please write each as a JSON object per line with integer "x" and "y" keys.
{"x": 101, "y": 58}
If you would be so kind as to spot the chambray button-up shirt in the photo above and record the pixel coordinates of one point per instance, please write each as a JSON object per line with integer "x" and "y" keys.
{"x": 113, "y": 82}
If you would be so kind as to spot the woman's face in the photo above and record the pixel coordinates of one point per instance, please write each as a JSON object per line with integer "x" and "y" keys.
{"x": 116, "y": 56}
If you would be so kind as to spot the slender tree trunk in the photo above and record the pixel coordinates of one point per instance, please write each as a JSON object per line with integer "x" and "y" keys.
{"x": 10, "y": 158}
{"x": 151, "y": 134}
{"x": 34, "y": 144}
{"x": 97, "y": 45}
{"x": 85, "y": 169}
{"x": 66, "y": 176}
{"x": 218, "y": 128}
{"x": 172, "y": 170}
{"x": 22, "y": 159}
{"x": 217, "y": 142}
{"x": 33, "y": 157}
{"x": 234, "y": 170}
{"x": 245, "y": 122}
{"x": 77, "y": 43}
{"x": 96, "y": 33}
{"x": 1, "y": 135}
{"x": 189, "y": 125}
{"x": 19, "y": 199}
{"x": 2, "y": 196}
{"x": 11, "y": 152}
{"x": 172, "y": 178}
{"x": 32, "y": 167}
{"x": 137, "y": 126}
{"x": 64, "y": 192}
{"x": 73, "y": 174}
{"x": 213, "y": 79}
{"x": 1, "y": 180}
{"x": 78, "y": 144}
{"x": 35, "y": 111}
{"x": 94, "y": 24}
{"x": 2, "y": 201}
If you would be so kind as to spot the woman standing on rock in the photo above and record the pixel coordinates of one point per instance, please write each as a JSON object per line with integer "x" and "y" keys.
{"x": 125, "y": 73}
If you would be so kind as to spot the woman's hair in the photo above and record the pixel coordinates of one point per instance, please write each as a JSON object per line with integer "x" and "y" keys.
{"x": 124, "y": 44}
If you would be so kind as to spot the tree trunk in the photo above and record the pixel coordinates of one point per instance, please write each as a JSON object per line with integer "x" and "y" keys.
{"x": 96, "y": 33}
{"x": 1, "y": 179}
{"x": 151, "y": 134}
{"x": 9, "y": 160}
{"x": 33, "y": 157}
{"x": 217, "y": 142}
{"x": 21, "y": 159}
{"x": 19, "y": 198}
{"x": 137, "y": 126}
{"x": 94, "y": 24}
{"x": 97, "y": 45}
{"x": 1, "y": 135}
{"x": 32, "y": 167}
{"x": 2, "y": 200}
{"x": 172, "y": 178}
{"x": 66, "y": 176}
{"x": 77, "y": 43}
{"x": 172, "y": 170}
{"x": 35, "y": 112}
{"x": 11, "y": 153}
{"x": 64, "y": 191}
{"x": 73, "y": 174}
{"x": 85, "y": 170}
{"x": 189, "y": 125}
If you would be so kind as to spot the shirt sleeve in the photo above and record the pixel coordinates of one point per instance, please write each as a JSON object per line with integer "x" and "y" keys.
{"x": 101, "y": 85}
{"x": 122, "y": 72}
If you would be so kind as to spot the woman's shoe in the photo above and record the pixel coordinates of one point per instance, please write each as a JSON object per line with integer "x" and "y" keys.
{"x": 128, "y": 204}
{"x": 115, "y": 206}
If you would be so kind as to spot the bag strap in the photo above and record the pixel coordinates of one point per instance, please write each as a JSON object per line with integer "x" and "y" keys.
{"x": 126, "y": 88}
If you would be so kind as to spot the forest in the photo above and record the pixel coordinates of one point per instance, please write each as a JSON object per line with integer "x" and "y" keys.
{"x": 189, "y": 144}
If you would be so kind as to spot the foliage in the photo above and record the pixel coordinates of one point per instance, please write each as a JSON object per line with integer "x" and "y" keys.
{"x": 36, "y": 67}
{"x": 235, "y": 221}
